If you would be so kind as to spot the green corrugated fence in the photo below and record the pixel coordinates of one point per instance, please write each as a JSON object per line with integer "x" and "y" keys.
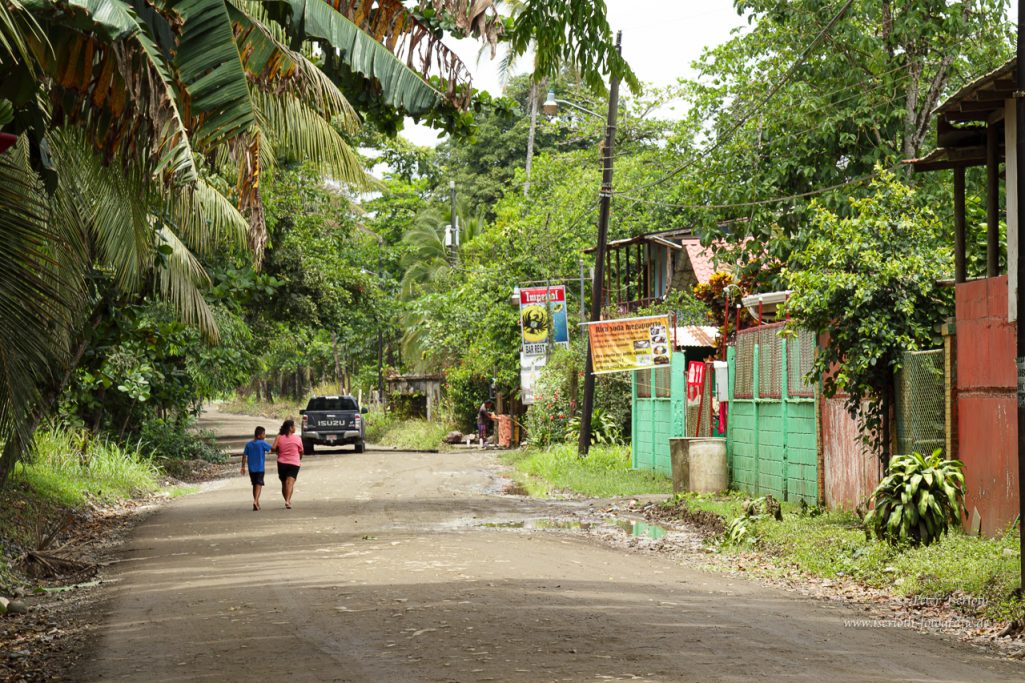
{"x": 771, "y": 437}
{"x": 659, "y": 413}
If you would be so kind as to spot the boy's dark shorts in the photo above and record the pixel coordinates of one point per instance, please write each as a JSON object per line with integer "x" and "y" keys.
{"x": 286, "y": 471}
{"x": 256, "y": 478}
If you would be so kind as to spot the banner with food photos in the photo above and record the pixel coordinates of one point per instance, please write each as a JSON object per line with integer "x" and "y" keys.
{"x": 630, "y": 344}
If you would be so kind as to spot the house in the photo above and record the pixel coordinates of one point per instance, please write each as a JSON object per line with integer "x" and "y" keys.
{"x": 641, "y": 270}
{"x": 976, "y": 127}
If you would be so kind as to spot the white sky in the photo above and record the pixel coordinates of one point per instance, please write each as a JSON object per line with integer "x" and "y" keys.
{"x": 660, "y": 40}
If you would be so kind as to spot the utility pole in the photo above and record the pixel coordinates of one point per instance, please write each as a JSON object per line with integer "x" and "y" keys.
{"x": 1019, "y": 111}
{"x": 583, "y": 308}
{"x": 455, "y": 220}
{"x": 605, "y": 201}
{"x": 380, "y": 337}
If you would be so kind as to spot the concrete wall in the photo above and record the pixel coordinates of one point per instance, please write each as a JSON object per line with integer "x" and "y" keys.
{"x": 987, "y": 425}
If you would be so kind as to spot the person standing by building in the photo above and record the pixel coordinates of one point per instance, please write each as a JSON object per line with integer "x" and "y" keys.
{"x": 484, "y": 415}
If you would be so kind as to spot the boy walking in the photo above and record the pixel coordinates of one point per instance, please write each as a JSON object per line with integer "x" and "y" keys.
{"x": 255, "y": 454}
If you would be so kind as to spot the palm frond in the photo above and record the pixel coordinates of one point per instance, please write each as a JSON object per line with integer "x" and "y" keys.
{"x": 15, "y": 24}
{"x": 112, "y": 204}
{"x": 299, "y": 133}
{"x": 180, "y": 282}
{"x": 35, "y": 299}
{"x": 205, "y": 219}
{"x": 383, "y": 50}
{"x": 275, "y": 68}
{"x": 111, "y": 80}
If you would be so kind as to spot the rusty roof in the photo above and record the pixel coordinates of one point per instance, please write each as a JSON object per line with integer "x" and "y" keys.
{"x": 702, "y": 336}
{"x": 979, "y": 98}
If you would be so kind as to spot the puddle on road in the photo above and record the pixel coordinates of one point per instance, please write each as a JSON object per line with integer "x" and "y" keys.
{"x": 632, "y": 528}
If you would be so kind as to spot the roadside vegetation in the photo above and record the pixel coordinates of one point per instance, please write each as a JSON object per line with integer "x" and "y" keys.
{"x": 977, "y": 573}
{"x": 67, "y": 472}
{"x": 604, "y": 473}
{"x": 70, "y": 468}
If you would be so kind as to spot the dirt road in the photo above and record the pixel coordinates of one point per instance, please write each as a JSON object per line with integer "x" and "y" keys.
{"x": 385, "y": 570}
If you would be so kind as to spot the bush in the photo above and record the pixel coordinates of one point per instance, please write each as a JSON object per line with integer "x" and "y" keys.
{"x": 175, "y": 441}
{"x": 555, "y": 390}
{"x": 604, "y": 429}
{"x": 464, "y": 392}
{"x": 918, "y": 500}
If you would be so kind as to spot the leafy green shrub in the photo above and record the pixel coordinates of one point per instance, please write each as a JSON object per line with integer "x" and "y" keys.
{"x": 604, "y": 429}
{"x": 918, "y": 500}
{"x": 738, "y": 531}
{"x": 464, "y": 392}
{"x": 174, "y": 441}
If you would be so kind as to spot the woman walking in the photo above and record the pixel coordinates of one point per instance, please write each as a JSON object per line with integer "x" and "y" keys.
{"x": 289, "y": 448}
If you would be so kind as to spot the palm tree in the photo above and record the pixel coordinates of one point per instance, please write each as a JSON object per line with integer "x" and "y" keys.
{"x": 429, "y": 266}
{"x": 131, "y": 114}
{"x": 428, "y": 263}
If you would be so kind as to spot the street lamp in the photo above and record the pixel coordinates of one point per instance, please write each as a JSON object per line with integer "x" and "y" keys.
{"x": 550, "y": 107}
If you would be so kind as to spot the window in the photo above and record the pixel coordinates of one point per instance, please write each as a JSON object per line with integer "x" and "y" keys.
{"x": 332, "y": 403}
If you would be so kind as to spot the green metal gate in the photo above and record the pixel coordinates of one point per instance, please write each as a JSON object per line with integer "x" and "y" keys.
{"x": 771, "y": 438}
{"x": 659, "y": 414}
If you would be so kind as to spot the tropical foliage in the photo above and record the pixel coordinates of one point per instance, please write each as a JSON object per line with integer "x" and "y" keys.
{"x": 918, "y": 500}
{"x": 870, "y": 282}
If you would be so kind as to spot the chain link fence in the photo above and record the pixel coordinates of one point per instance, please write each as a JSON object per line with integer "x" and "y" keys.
{"x": 743, "y": 379}
{"x": 800, "y": 358}
{"x": 921, "y": 405}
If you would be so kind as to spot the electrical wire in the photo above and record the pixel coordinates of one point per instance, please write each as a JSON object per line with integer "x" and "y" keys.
{"x": 759, "y": 202}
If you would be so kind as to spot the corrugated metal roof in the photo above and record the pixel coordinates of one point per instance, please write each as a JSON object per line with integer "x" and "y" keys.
{"x": 701, "y": 336}
{"x": 700, "y": 259}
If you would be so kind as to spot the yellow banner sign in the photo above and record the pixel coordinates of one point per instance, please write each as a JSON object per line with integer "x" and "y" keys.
{"x": 630, "y": 344}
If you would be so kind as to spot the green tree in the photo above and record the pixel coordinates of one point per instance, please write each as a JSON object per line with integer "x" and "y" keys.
{"x": 852, "y": 96}
{"x": 869, "y": 284}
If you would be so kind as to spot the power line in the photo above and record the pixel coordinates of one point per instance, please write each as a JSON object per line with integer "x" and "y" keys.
{"x": 759, "y": 202}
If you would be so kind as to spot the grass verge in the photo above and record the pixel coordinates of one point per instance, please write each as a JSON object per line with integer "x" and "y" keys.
{"x": 69, "y": 470}
{"x": 413, "y": 435}
{"x": 604, "y": 473}
{"x": 978, "y": 574}
{"x": 66, "y": 471}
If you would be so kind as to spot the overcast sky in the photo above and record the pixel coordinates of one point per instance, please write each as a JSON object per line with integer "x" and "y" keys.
{"x": 660, "y": 40}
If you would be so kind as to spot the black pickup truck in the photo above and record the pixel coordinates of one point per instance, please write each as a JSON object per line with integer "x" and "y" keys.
{"x": 332, "y": 421}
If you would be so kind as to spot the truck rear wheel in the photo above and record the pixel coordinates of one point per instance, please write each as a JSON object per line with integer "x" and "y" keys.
{"x": 308, "y": 446}
{"x": 360, "y": 446}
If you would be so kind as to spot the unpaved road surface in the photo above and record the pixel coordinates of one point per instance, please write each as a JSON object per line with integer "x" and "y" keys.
{"x": 385, "y": 570}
